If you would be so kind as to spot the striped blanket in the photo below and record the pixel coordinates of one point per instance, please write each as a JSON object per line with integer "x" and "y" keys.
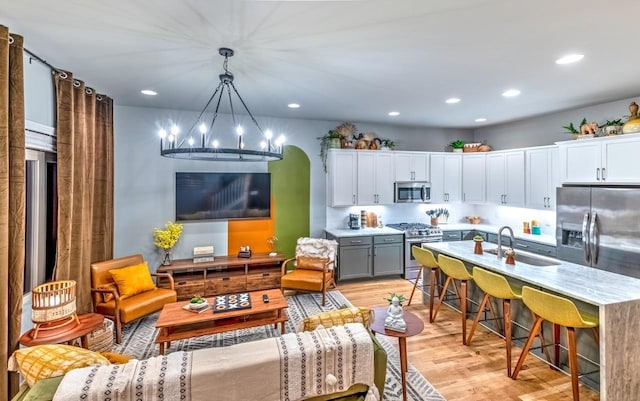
{"x": 292, "y": 367}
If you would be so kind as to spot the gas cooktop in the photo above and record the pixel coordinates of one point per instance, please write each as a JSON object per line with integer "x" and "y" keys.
{"x": 417, "y": 229}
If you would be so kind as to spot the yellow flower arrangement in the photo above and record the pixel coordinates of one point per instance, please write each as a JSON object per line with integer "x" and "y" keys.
{"x": 166, "y": 239}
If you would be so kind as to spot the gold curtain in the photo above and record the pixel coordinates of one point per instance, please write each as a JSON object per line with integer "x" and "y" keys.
{"x": 85, "y": 183}
{"x": 12, "y": 202}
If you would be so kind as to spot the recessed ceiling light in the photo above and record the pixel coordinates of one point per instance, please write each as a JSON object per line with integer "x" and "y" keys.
{"x": 452, "y": 100}
{"x": 480, "y": 120}
{"x": 394, "y": 113}
{"x": 511, "y": 93}
{"x": 570, "y": 58}
{"x": 293, "y": 105}
{"x": 148, "y": 92}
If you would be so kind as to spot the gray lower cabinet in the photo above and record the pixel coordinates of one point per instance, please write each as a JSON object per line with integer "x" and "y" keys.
{"x": 369, "y": 256}
{"x": 529, "y": 246}
{"x": 451, "y": 235}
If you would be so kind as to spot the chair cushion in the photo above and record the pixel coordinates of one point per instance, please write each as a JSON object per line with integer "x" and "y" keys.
{"x": 109, "y": 286}
{"x": 133, "y": 280}
{"x": 306, "y": 280}
{"x": 338, "y": 317}
{"x": 43, "y": 361}
{"x": 138, "y": 305}
{"x": 311, "y": 263}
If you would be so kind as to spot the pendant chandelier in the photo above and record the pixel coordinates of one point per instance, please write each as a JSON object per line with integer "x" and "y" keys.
{"x": 201, "y": 143}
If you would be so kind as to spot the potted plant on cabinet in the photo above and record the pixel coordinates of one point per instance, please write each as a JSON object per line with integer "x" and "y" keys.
{"x": 387, "y": 144}
{"x": 457, "y": 145}
{"x": 612, "y": 127}
{"x": 328, "y": 141}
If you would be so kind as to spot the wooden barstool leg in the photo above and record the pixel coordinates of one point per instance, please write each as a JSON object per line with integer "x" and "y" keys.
{"x": 527, "y": 346}
{"x": 485, "y": 298}
{"x": 506, "y": 311}
{"x": 432, "y": 291}
{"x": 556, "y": 345}
{"x": 463, "y": 308}
{"x": 415, "y": 284}
{"x": 573, "y": 362}
{"x": 444, "y": 291}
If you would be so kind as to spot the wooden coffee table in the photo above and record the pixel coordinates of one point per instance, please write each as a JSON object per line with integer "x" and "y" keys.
{"x": 175, "y": 323}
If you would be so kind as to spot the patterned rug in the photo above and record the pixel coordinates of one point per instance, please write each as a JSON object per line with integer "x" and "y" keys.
{"x": 137, "y": 335}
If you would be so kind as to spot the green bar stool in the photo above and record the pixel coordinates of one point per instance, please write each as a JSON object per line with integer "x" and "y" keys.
{"x": 426, "y": 259}
{"x": 455, "y": 270}
{"x": 559, "y": 311}
{"x": 497, "y": 286}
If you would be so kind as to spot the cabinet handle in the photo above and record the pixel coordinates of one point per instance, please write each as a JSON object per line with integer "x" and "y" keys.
{"x": 265, "y": 274}
{"x": 598, "y": 174}
{"x": 464, "y": 196}
{"x": 226, "y": 278}
{"x": 522, "y": 245}
{"x": 603, "y": 174}
{"x": 353, "y": 199}
{"x": 413, "y": 175}
{"x": 389, "y": 240}
{"x": 356, "y": 242}
{"x": 375, "y": 251}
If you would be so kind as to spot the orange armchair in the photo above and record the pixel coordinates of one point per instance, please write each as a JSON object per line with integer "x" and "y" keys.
{"x": 108, "y": 302}
{"x": 313, "y": 267}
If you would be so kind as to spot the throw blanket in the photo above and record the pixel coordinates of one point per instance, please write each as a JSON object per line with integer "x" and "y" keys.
{"x": 274, "y": 369}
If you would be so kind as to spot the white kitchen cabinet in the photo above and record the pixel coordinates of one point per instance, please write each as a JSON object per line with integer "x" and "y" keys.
{"x": 473, "y": 178}
{"x": 446, "y": 177}
{"x": 505, "y": 178}
{"x": 342, "y": 167}
{"x": 411, "y": 166}
{"x": 608, "y": 160}
{"x": 375, "y": 178}
{"x": 542, "y": 177}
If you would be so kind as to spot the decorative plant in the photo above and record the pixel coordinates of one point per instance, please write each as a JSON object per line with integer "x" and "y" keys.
{"x": 401, "y": 298}
{"x": 435, "y": 213}
{"x": 326, "y": 143}
{"x": 388, "y": 143}
{"x": 457, "y": 144}
{"x": 571, "y": 129}
{"x": 611, "y": 123}
{"x": 166, "y": 239}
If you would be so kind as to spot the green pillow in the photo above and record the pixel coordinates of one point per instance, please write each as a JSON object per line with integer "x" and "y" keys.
{"x": 44, "y": 389}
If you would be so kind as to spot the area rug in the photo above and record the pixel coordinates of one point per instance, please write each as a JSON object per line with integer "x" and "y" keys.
{"x": 137, "y": 341}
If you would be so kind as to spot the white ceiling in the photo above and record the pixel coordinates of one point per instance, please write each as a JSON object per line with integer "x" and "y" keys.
{"x": 345, "y": 60}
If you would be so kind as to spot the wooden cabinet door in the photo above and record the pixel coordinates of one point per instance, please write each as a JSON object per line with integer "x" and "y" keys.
{"x": 495, "y": 178}
{"x": 384, "y": 178}
{"x": 453, "y": 178}
{"x": 580, "y": 162}
{"x": 514, "y": 178}
{"x": 473, "y": 178}
{"x": 537, "y": 178}
{"x": 437, "y": 178}
{"x": 620, "y": 164}
{"x": 366, "y": 182}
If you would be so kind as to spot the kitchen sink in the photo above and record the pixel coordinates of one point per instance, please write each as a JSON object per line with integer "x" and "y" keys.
{"x": 527, "y": 258}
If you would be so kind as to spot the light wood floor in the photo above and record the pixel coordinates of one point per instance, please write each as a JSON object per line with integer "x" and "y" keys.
{"x": 459, "y": 372}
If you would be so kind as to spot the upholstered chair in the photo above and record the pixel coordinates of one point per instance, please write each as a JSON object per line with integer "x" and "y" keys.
{"x": 313, "y": 268}
{"x": 126, "y": 295}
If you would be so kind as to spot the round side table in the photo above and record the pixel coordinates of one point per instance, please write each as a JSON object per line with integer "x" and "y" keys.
{"x": 88, "y": 323}
{"x": 415, "y": 325}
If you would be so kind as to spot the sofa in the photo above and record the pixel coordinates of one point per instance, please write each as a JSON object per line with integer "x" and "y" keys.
{"x": 344, "y": 362}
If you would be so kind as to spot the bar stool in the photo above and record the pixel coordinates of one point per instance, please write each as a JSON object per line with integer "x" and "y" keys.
{"x": 426, "y": 259}
{"x": 497, "y": 286}
{"x": 559, "y": 311}
{"x": 455, "y": 270}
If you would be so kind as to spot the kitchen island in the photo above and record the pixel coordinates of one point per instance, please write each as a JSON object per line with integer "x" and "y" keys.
{"x": 615, "y": 297}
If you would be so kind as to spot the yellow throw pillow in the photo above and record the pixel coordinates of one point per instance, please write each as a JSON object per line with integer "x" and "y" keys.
{"x": 44, "y": 361}
{"x": 115, "y": 358}
{"x": 338, "y": 317}
{"x": 133, "y": 280}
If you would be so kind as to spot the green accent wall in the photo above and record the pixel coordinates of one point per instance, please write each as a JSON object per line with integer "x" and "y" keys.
{"x": 290, "y": 189}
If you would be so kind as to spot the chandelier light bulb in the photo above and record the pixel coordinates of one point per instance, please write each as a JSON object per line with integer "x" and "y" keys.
{"x": 280, "y": 140}
{"x": 263, "y": 144}
{"x": 242, "y": 145}
{"x": 239, "y": 130}
{"x": 191, "y": 141}
{"x": 203, "y": 129}
{"x": 175, "y": 130}
{"x": 215, "y": 143}
{"x": 268, "y": 134}
{"x": 163, "y": 133}
{"x": 171, "y": 138}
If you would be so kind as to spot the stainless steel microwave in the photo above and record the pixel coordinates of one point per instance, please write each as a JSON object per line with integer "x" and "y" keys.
{"x": 412, "y": 192}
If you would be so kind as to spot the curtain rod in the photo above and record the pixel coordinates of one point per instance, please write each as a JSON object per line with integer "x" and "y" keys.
{"x": 40, "y": 59}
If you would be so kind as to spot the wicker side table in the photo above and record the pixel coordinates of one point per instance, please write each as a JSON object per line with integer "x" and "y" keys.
{"x": 88, "y": 323}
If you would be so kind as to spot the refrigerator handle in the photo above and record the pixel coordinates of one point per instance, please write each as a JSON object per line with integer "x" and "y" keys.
{"x": 586, "y": 243}
{"x": 595, "y": 238}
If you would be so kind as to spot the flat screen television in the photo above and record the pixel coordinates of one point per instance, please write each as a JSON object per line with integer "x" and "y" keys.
{"x": 222, "y": 196}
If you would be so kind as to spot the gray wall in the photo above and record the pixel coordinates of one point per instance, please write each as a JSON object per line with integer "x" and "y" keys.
{"x": 547, "y": 129}
{"x": 144, "y": 181}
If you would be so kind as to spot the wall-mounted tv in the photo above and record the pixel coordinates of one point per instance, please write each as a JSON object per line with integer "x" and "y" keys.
{"x": 222, "y": 196}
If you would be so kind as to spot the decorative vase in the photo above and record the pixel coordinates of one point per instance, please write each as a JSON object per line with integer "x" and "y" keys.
{"x": 167, "y": 259}
{"x": 434, "y": 221}
{"x": 478, "y": 248}
{"x": 457, "y": 150}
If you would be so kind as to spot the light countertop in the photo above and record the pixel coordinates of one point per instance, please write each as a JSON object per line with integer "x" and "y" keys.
{"x": 593, "y": 286}
{"x": 517, "y": 232}
{"x": 346, "y": 232}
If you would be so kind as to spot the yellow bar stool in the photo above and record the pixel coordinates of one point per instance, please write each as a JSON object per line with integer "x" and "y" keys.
{"x": 426, "y": 259}
{"x": 559, "y": 311}
{"x": 455, "y": 270}
{"x": 497, "y": 286}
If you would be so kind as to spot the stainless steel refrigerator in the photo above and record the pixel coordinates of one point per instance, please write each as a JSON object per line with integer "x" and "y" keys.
{"x": 600, "y": 227}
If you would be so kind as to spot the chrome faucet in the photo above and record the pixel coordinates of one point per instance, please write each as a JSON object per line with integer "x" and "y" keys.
{"x": 499, "y": 253}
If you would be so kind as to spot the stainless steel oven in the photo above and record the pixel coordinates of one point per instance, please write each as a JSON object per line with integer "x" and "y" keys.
{"x": 415, "y": 234}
